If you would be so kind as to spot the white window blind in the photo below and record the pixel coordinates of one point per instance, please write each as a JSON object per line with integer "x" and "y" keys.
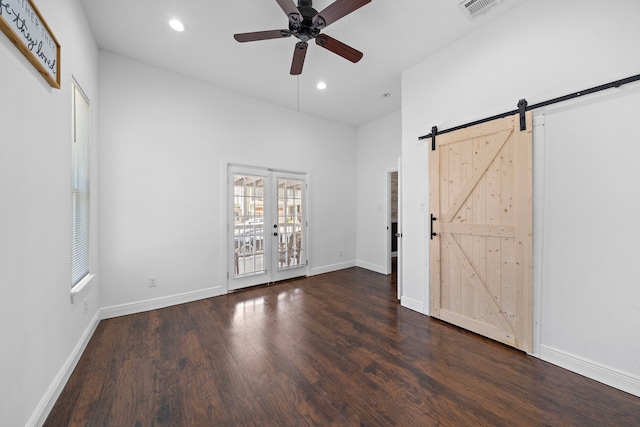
{"x": 80, "y": 188}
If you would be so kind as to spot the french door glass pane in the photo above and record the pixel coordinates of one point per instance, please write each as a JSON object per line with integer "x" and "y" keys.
{"x": 248, "y": 201}
{"x": 290, "y": 220}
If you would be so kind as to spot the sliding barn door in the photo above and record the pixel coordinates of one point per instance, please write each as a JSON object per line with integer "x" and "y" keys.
{"x": 481, "y": 243}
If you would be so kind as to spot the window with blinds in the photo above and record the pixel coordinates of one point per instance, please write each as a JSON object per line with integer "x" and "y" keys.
{"x": 80, "y": 188}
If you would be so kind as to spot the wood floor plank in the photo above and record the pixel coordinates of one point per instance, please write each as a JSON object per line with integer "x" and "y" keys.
{"x": 328, "y": 350}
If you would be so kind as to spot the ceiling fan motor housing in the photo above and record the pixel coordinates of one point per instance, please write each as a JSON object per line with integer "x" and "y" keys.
{"x": 306, "y": 30}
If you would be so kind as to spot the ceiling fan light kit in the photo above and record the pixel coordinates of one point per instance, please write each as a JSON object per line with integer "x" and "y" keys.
{"x": 306, "y": 23}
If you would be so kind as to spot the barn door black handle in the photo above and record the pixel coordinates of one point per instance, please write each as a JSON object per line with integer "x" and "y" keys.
{"x": 433, "y": 218}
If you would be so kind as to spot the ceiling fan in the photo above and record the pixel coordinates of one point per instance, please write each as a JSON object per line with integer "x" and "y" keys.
{"x": 305, "y": 23}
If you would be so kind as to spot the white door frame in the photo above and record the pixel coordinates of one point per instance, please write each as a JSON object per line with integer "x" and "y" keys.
{"x": 389, "y": 222}
{"x": 388, "y": 239}
{"x": 399, "y": 255}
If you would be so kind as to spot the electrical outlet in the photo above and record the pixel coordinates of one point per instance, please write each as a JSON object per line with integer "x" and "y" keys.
{"x": 153, "y": 281}
{"x": 85, "y": 305}
{"x": 339, "y": 254}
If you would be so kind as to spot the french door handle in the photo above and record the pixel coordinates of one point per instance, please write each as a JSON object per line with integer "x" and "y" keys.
{"x": 433, "y": 234}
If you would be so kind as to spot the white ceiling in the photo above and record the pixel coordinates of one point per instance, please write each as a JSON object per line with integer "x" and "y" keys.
{"x": 393, "y": 35}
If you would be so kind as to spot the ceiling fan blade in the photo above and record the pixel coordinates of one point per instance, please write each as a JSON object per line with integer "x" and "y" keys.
{"x": 339, "y": 48}
{"x": 291, "y": 10}
{"x": 298, "y": 58}
{"x": 262, "y": 35}
{"x": 335, "y": 11}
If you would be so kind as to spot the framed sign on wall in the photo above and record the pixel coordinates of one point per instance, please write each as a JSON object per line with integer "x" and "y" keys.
{"x": 23, "y": 24}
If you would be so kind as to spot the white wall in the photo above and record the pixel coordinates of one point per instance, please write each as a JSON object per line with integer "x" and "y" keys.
{"x": 41, "y": 330}
{"x": 164, "y": 144}
{"x": 542, "y": 49}
{"x": 590, "y": 271}
{"x": 379, "y": 144}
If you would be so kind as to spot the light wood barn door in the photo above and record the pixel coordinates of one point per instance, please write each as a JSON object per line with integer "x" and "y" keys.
{"x": 481, "y": 245}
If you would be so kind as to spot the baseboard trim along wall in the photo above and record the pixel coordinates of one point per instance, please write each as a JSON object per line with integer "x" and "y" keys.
{"x": 377, "y": 268}
{"x": 412, "y": 304}
{"x": 41, "y": 413}
{"x": 612, "y": 377}
{"x": 332, "y": 267}
{"x": 157, "y": 303}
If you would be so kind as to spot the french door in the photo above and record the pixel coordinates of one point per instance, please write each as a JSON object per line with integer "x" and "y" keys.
{"x": 267, "y": 226}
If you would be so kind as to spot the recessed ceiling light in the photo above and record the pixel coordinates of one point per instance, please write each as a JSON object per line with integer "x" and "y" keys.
{"x": 176, "y": 25}
{"x": 321, "y": 85}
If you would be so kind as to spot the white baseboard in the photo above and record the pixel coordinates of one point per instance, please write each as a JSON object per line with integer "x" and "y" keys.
{"x": 333, "y": 267}
{"x": 45, "y": 405}
{"x": 156, "y": 303}
{"x": 373, "y": 267}
{"x": 610, "y": 376}
{"x": 412, "y": 304}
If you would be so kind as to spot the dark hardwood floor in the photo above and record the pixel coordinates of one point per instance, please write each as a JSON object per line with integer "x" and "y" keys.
{"x": 335, "y": 349}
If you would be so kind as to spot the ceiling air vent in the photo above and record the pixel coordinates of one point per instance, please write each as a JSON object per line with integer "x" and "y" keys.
{"x": 473, "y": 8}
